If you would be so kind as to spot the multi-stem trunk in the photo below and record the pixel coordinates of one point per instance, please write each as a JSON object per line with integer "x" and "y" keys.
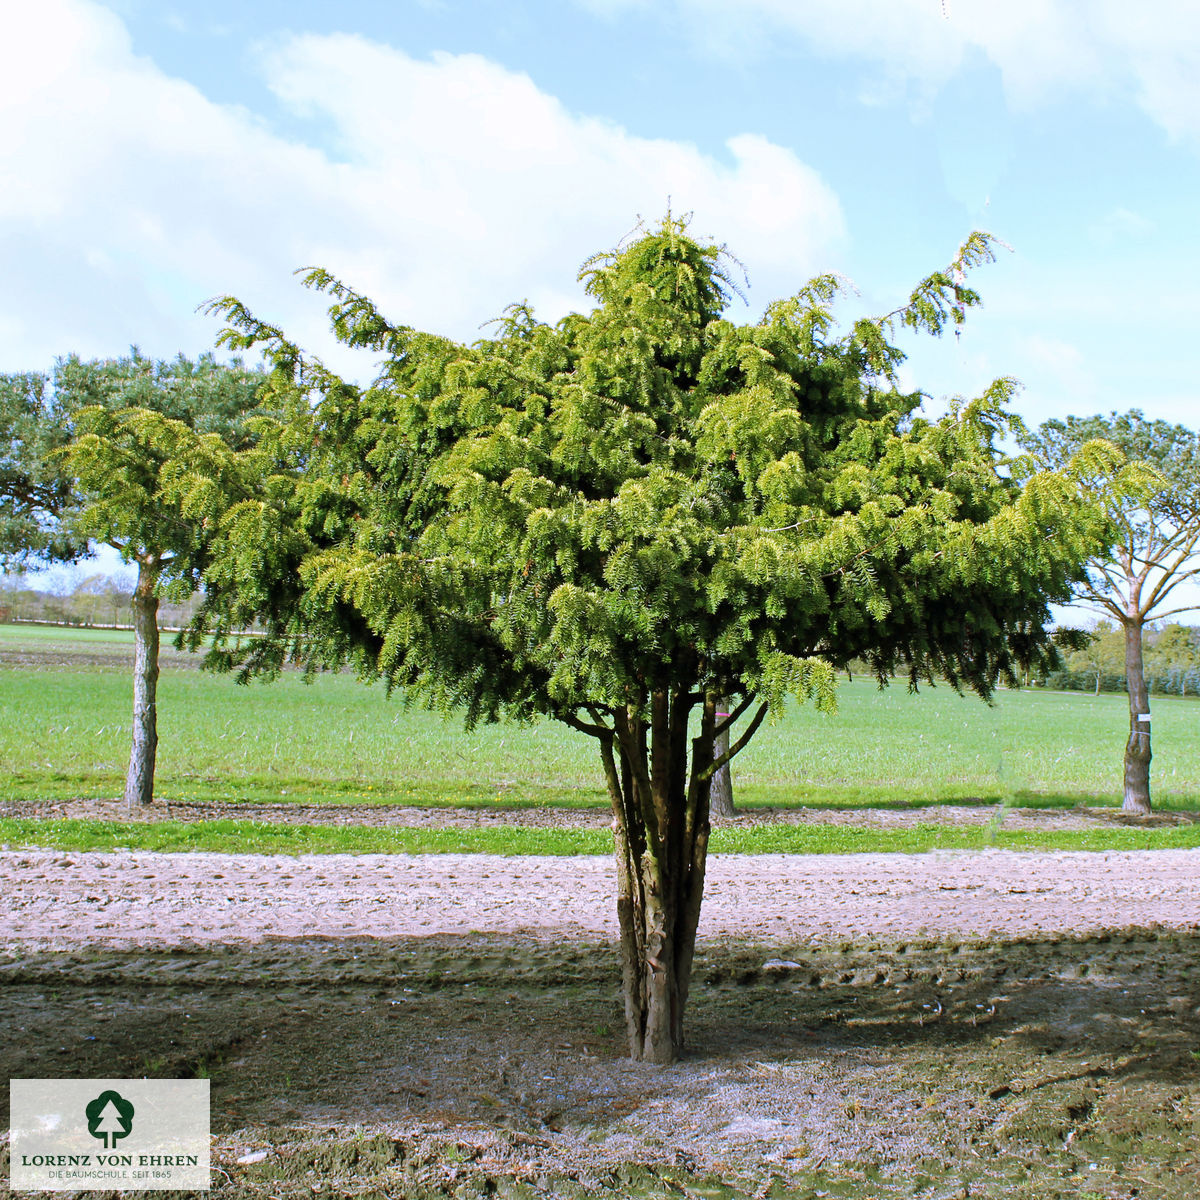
{"x": 660, "y": 826}
{"x": 1137, "y": 748}
{"x": 139, "y": 781}
{"x": 660, "y": 804}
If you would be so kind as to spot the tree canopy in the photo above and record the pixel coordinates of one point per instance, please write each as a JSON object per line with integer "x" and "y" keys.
{"x": 140, "y": 455}
{"x": 40, "y": 499}
{"x": 34, "y": 492}
{"x": 620, "y": 518}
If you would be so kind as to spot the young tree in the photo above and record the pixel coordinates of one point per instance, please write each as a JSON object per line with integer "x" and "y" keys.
{"x": 1154, "y": 536}
{"x": 153, "y": 461}
{"x": 620, "y": 519}
{"x": 1103, "y": 655}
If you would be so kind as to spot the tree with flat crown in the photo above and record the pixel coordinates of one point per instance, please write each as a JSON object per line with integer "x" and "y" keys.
{"x": 620, "y": 520}
{"x": 35, "y": 423}
{"x": 154, "y": 454}
{"x": 1153, "y": 547}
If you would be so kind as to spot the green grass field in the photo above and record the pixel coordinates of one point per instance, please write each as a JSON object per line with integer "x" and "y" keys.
{"x": 258, "y": 837}
{"x": 64, "y": 732}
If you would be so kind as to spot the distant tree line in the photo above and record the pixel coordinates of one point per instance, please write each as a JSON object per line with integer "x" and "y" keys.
{"x": 94, "y": 601}
{"x": 1171, "y": 662}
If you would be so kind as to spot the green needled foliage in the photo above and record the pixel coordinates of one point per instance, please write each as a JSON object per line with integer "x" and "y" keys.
{"x": 618, "y": 519}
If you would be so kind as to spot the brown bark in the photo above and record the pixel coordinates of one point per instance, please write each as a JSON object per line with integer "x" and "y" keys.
{"x": 139, "y": 781}
{"x": 1137, "y": 748}
{"x": 660, "y": 833}
{"x": 720, "y": 802}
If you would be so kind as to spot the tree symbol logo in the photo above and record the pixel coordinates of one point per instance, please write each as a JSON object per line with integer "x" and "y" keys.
{"x": 109, "y": 1117}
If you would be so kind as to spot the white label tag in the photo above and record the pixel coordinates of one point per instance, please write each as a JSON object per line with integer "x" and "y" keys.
{"x": 1143, "y": 717}
{"x": 136, "y": 1135}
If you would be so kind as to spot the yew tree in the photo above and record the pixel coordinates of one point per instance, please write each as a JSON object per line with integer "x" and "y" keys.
{"x": 622, "y": 520}
{"x": 1151, "y": 551}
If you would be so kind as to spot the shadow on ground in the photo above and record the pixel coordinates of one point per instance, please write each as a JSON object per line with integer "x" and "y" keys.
{"x": 475, "y": 1066}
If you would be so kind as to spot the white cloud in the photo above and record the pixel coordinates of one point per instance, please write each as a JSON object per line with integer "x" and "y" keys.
{"x": 1054, "y": 354}
{"x": 613, "y": 8}
{"x": 453, "y": 187}
{"x": 459, "y": 152}
{"x": 1043, "y": 48}
{"x": 1059, "y": 376}
{"x": 1161, "y": 43}
{"x": 1120, "y": 225}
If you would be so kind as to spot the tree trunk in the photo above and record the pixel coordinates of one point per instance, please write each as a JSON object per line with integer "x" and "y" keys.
{"x": 720, "y": 800}
{"x": 660, "y": 828}
{"x": 1137, "y": 748}
{"x": 139, "y": 782}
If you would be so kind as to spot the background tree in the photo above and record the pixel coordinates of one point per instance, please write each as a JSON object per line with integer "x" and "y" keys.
{"x": 1173, "y": 658}
{"x": 1103, "y": 655}
{"x": 153, "y": 461}
{"x": 721, "y": 790}
{"x": 34, "y": 493}
{"x": 617, "y": 520}
{"x": 1154, "y": 537}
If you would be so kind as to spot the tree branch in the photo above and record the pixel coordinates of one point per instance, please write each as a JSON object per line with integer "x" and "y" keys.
{"x": 1165, "y": 586}
{"x": 1101, "y": 605}
{"x": 1172, "y": 574}
{"x": 737, "y": 746}
{"x": 596, "y": 712}
{"x": 730, "y": 718}
{"x": 597, "y": 731}
{"x": 1174, "y": 612}
{"x": 1115, "y": 582}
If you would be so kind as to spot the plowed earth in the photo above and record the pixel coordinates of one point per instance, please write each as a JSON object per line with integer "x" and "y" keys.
{"x": 995, "y": 1024}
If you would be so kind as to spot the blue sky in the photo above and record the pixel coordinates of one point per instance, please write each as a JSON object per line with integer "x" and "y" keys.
{"x": 448, "y": 158}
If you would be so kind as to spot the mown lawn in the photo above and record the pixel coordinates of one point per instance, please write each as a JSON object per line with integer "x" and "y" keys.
{"x": 64, "y": 729}
{"x": 258, "y": 837}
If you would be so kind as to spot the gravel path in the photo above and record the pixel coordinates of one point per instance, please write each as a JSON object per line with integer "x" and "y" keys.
{"x": 55, "y": 899}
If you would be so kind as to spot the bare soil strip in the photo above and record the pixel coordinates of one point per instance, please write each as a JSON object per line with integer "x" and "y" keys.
{"x": 56, "y": 899}
{"x": 967, "y": 812}
{"x": 951, "y": 1024}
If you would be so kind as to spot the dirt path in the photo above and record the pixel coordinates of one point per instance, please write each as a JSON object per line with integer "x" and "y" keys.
{"x": 57, "y": 899}
{"x": 1016, "y": 1026}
